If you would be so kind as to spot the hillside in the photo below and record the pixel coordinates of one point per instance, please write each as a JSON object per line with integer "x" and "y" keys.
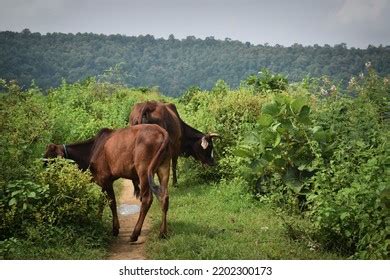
{"x": 173, "y": 65}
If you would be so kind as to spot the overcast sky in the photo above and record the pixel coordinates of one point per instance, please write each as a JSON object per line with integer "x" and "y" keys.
{"x": 355, "y": 22}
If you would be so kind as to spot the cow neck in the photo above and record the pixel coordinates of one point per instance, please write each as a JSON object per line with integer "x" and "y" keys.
{"x": 190, "y": 136}
{"x": 80, "y": 152}
{"x": 190, "y": 132}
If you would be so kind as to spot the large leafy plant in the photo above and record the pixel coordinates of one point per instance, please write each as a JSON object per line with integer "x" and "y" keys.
{"x": 284, "y": 145}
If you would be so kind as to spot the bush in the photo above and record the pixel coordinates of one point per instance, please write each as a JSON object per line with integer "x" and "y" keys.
{"x": 281, "y": 150}
{"x": 25, "y": 128}
{"x": 230, "y": 113}
{"x": 60, "y": 196}
{"x": 349, "y": 205}
{"x": 265, "y": 81}
{"x": 20, "y": 202}
{"x": 69, "y": 190}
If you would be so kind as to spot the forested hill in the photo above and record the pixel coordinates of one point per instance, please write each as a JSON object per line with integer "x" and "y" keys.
{"x": 171, "y": 64}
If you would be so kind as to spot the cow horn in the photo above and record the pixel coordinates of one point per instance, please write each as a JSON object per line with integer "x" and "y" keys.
{"x": 214, "y": 135}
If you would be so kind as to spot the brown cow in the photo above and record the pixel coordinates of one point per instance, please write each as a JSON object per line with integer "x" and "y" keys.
{"x": 134, "y": 153}
{"x": 184, "y": 140}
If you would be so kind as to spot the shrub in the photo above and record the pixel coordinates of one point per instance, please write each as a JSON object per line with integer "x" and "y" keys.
{"x": 349, "y": 203}
{"x": 281, "y": 150}
{"x": 25, "y": 126}
{"x": 73, "y": 198}
{"x": 265, "y": 81}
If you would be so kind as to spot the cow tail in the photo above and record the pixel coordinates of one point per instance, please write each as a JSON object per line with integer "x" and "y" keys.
{"x": 156, "y": 161}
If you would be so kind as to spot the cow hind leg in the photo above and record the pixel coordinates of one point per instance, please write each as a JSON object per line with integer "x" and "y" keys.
{"x": 147, "y": 199}
{"x": 174, "y": 169}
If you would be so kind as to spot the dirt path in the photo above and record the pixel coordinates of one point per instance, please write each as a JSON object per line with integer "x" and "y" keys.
{"x": 121, "y": 248}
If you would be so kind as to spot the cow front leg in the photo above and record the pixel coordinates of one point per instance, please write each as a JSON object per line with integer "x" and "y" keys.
{"x": 136, "y": 189}
{"x": 111, "y": 196}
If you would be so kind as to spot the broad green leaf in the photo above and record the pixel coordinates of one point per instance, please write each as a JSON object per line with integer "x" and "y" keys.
{"x": 12, "y": 202}
{"x": 290, "y": 175}
{"x": 302, "y": 167}
{"x": 275, "y": 127}
{"x": 268, "y": 138}
{"x": 282, "y": 99}
{"x": 242, "y": 152}
{"x": 252, "y": 138}
{"x": 285, "y": 124}
{"x": 295, "y": 186}
{"x": 297, "y": 105}
{"x": 32, "y": 195}
{"x": 15, "y": 193}
{"x": 272, "y": 109}
{"x": 304, "y": 112}
{"x": 277, "y": 140}
{"x": 320, "y": 135}
{"x": 344, "y": 215}
{"x": 303, "y": 119}
{"x": 316, "y": 128}
{"x": 265, "y": 120}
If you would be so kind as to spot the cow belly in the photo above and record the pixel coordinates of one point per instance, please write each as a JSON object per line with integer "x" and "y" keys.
{"x": 123, "y": 170}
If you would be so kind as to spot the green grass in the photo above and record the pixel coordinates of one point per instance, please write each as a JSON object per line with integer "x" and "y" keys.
{"x": 220, "y": 221}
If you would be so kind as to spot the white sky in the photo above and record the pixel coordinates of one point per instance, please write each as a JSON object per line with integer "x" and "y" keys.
{"x": 355, "y": 22}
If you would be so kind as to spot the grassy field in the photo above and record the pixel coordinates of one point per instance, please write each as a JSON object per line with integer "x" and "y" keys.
{"x": 220, "y": 221}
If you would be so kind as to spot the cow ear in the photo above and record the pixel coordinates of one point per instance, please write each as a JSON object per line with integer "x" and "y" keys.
{"x": 204, "y": 143}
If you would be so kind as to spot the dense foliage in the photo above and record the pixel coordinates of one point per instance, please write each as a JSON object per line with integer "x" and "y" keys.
{"x": 172, "y": 64}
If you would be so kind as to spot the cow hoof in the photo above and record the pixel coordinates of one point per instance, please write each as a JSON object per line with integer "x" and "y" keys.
{"x": 163, "y": 235}
{"x": 133, "y": 238}
{"x": 115, "y": 232}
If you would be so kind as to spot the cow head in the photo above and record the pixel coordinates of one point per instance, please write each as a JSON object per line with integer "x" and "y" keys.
{"x": 53, "y": 151}
{"x": 203, "y": 149}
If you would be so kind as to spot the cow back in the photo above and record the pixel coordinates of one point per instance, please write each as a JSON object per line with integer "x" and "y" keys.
{"x": 125, "y": 151}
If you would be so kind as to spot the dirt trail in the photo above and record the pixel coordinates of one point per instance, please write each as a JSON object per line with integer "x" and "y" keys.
{"x": 121, "y": 248}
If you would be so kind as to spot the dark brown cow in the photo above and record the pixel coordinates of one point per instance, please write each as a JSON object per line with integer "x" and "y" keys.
{"x": 134, "y": 153}
{"x": 184, "y": 140}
